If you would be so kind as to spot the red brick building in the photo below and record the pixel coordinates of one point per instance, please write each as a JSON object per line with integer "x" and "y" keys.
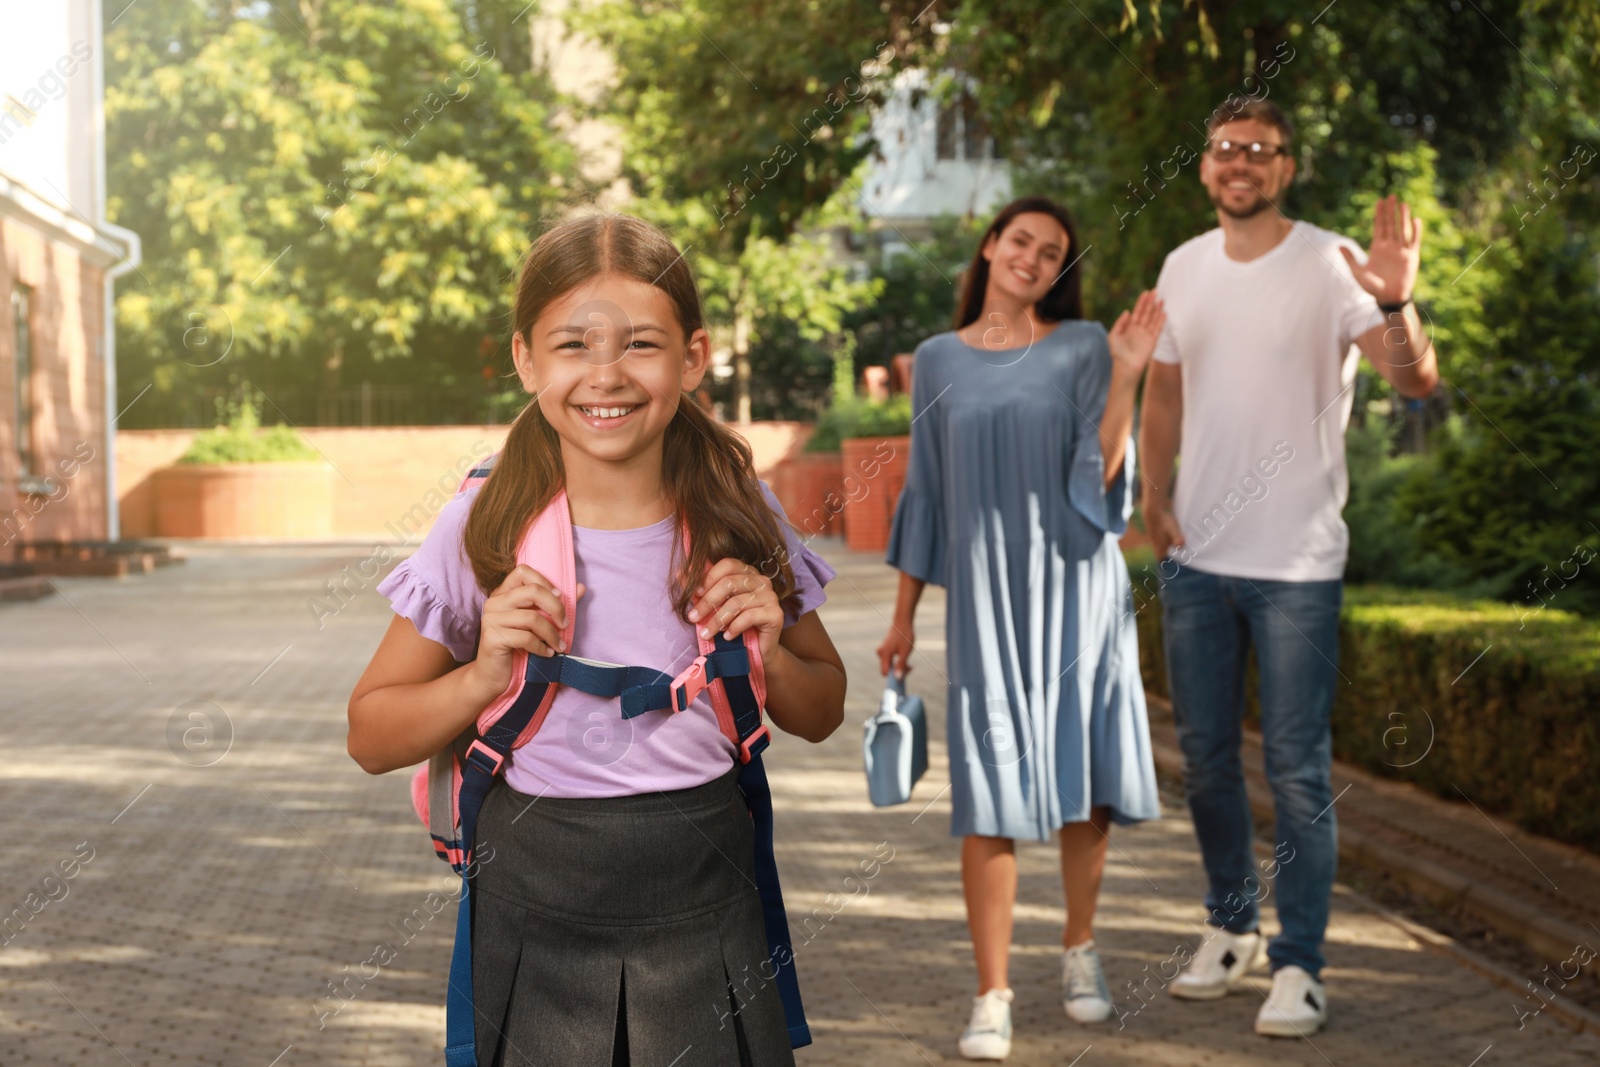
{"x": 59, "y": 259}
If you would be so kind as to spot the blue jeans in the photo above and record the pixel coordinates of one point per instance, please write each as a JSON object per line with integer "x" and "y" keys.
{"x": 1209, "y": 623}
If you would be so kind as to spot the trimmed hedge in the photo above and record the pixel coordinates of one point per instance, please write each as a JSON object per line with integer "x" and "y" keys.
{"x": 1454, "y": 694}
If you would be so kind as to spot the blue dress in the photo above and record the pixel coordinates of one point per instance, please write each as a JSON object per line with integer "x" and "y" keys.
{"x": 1005, "y": 506}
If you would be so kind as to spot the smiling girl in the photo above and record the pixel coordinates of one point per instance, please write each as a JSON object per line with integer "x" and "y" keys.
{"x": 620, "y": 905}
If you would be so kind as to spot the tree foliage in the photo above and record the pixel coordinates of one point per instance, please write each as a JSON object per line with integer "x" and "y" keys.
{"x": 326, "y": 185}
{"x": 757, "y": 113}
{"x": 1478, "y": 112}
{"x": 743, "y": 127}
{"x": 322, "y": 187}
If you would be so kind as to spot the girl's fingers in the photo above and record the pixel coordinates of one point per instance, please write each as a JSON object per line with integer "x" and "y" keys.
{"x": 736, "y": 604}
{"x": 521, "y": 575}
{"x": 754, "y": 618}
{"x": 723, "y": 568}
{"x": 549, "y": 601}
{"x": 730, "y": 569}
{"x": 714, "y": 574}
{"x": 536, "y": 632}
{"x": 526, "y": 612}
{"x": 533, "y": 622}
{"x": 719, "y": 592}
{"x": 525, "y": 586}
{"x": 542, "y": 597}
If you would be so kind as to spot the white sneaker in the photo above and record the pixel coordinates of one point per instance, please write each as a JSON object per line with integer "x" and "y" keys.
{"x": 1296, "y": 1007}
{"x": 988, "y": 1032}
{"x": 1221, "y": 963}
{"x": 1084, "y": 993}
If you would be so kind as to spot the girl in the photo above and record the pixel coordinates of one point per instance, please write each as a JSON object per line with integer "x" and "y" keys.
{"x": 1014, "y": 498}
{"x": 619, "y": 907}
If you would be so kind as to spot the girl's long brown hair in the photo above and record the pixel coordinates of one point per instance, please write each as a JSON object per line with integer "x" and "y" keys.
{"x": 1064, "y": 299}
{"x": 706, "y": 468}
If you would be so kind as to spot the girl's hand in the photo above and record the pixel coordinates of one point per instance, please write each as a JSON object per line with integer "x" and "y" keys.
{"x": 1133, "y": 336}
{"x": 524, "y": 614}
{"x": 734, "y": 598}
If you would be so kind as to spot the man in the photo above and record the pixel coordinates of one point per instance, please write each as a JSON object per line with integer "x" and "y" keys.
{"x": 1252, "y": 384}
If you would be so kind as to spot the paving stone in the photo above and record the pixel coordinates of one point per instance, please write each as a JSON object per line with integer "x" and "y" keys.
{"x": 188, "y": 726}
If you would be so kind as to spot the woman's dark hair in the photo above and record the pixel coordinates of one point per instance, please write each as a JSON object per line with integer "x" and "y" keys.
{"x": 706, "y": 467}
{"x": 1065, "y": 298}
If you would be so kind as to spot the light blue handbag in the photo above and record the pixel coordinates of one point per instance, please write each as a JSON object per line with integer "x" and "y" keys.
{"x": 895, "y": 745}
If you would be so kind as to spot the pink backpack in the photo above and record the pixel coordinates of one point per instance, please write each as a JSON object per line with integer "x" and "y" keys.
{"x": 449, "y": 790}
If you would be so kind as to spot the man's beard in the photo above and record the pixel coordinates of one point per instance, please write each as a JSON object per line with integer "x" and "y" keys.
{"x": 1261, "y": 204}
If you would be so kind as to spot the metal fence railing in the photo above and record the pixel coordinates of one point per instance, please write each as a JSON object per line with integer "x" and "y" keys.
{"x": 366, "y": 404}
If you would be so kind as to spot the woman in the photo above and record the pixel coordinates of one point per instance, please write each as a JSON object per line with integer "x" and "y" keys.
{"x": 1015, "y": 494}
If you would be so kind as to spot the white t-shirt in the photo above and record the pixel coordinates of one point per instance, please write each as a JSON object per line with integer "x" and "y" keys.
{"x": 1269, "y": 370}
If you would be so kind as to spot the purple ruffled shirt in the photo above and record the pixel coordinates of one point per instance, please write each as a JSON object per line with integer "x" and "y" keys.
{"x": 585, "y": 748}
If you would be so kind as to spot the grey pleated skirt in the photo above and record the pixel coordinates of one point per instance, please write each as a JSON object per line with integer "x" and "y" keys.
{"x": 622, "y": 930}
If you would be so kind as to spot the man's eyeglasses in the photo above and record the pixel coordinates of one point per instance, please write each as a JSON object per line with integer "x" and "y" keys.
{"x": 1255, "y": 151}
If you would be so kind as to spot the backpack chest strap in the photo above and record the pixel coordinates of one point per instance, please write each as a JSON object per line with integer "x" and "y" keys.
{"x": 640, "y": 689}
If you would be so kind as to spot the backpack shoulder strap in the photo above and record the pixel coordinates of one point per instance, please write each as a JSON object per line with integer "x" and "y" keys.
{"x": 739, "y": 697}
{"x": 458, "y": 779}
{"x": 510, "y": 720}
{"x": 732, "y": 670}
{"x": 478, "y": 474}
{"x": 546, "y": 546}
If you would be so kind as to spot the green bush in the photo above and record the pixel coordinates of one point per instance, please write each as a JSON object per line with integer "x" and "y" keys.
{"x": 1511, "y": 489}
{"x": 1385, "y": 543}
{"x": 856, "y": 416}
{"x": 1455, "y": 693}
{"x": 242, "y": 440}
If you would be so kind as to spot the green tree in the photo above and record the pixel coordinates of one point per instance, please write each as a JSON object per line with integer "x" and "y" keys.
{"x": 1479, "y": 114}
{"x": 742, "y": 127}
{"x": 919, "y": 289}
{"x": 323, "y": 188}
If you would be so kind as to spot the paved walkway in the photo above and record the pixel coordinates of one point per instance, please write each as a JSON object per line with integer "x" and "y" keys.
{"x": 205, "y": 864}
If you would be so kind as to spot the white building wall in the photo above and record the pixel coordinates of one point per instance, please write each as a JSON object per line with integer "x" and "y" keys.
{"x": 48, "y": 101}
{"x": 906, "y": 182}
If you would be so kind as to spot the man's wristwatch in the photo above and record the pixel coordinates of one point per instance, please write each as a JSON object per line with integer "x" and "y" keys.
{"x": 1390, "y": 309}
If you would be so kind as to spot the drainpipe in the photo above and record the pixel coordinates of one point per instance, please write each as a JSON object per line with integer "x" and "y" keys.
{"x": 132, "y": 257}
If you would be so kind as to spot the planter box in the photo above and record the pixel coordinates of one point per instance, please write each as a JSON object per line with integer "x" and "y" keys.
{"x": 874, "y": 473}
{"x": 810, "y": 487}
{"x": 292, "y": 501}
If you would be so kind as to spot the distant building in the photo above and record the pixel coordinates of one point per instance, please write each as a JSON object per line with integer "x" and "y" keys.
{"x": 59, "y": 259}
{"x": 934, "y": 157}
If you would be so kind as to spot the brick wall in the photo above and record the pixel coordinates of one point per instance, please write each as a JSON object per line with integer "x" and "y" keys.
{"x": 68, "y": 390}
{"x": 385, "y": 474}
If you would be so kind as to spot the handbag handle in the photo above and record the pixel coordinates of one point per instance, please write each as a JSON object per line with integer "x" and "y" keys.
{"x": 894, "y": 691}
